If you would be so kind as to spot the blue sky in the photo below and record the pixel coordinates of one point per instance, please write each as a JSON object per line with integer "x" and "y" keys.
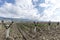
{"x": 40, "y": 10}
{"x": 9, "y": 1}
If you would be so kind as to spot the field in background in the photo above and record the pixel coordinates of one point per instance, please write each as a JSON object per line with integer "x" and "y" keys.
{"x": 31, "y": 31}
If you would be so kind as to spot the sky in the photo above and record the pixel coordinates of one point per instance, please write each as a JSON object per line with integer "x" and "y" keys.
{"x": 39, "y": 10}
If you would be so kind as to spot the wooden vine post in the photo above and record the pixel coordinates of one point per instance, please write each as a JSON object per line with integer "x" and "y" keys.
{"x": 49, "y": 23}
{"x": 7, "y": 26}
{"x": 35, "y": 27}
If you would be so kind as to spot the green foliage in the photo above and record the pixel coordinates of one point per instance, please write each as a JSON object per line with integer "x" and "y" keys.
{"x": 11, "y": 30}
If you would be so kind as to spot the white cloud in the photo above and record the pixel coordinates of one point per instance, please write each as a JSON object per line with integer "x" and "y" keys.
{"x": 35, "y": 0}
{"x": 25, "y": 9}
{"x": 44, "y": 5}
{"x": 21, "y": 9}
{"x": 52, "y": 10}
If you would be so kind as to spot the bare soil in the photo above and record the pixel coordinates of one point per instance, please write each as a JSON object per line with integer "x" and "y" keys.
{"x": 25, "y": 31}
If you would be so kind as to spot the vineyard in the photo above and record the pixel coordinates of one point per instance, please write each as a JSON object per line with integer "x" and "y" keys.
{"x": 31, "y": 31}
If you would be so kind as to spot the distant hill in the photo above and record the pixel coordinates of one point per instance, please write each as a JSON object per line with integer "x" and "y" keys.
{"x": 15, "y": 19}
